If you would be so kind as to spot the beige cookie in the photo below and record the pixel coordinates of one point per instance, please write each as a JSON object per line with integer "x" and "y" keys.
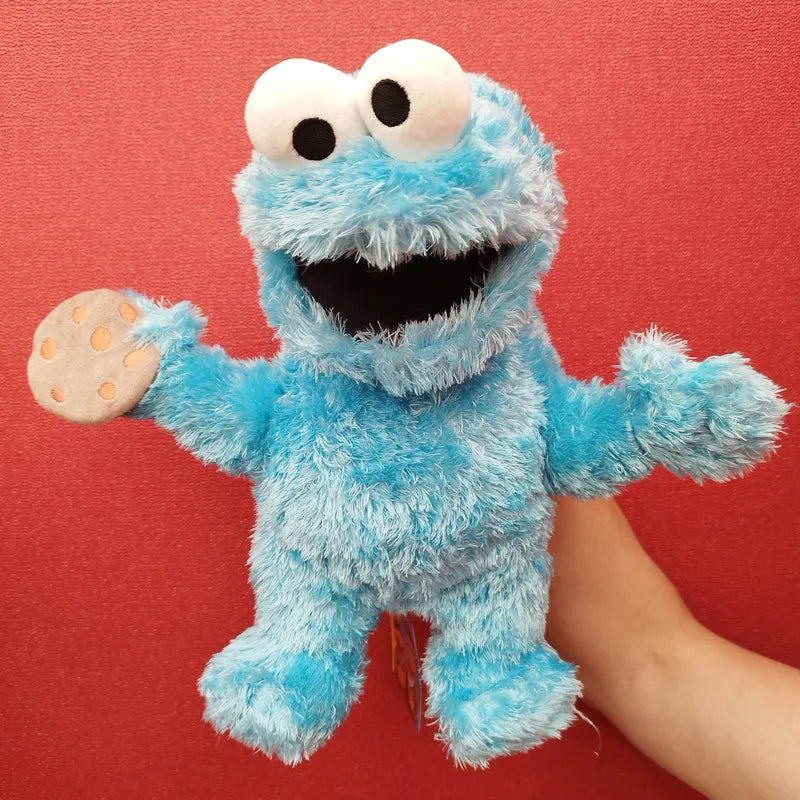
{"x": 82, "y": 368}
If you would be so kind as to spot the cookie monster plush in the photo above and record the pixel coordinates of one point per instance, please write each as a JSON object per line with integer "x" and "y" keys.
{"x": 407, "y": 441}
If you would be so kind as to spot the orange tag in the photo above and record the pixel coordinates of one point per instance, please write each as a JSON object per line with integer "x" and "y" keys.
{"x": 405, "y": 664}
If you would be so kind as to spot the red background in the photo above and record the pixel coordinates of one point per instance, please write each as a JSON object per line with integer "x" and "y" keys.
{"x": 123, "y": 559}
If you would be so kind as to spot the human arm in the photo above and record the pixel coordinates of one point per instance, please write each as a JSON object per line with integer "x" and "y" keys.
{"x": 724, "y": 720}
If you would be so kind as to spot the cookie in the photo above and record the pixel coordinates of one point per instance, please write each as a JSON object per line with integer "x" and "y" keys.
{"x": 83, "y": 366}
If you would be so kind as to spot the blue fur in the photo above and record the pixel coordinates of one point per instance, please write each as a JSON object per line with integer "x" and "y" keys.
{"x": 285, "y": 683}
{"x": 217, "y": 407}
{"x": 415, "y": 472}
{"x": 495, "y": 186}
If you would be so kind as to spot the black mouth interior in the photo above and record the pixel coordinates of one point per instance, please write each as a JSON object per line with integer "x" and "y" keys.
{"x": 366, "y": 298}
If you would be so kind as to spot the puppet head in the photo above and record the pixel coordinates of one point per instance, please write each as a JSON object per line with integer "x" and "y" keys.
{"x": 401, "y": 215}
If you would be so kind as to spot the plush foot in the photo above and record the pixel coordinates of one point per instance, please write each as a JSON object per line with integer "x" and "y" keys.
{"x": 704, "y": 419}
{"x": 490, "y": 708}
{"x": 284, "y": 704}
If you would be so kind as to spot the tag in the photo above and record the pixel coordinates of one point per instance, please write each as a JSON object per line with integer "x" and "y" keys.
{"x": 405, "y": 664}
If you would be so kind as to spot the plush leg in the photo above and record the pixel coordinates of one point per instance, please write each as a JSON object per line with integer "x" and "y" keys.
{"x": 494, "y": 684}
{"x": 285, "y": 684}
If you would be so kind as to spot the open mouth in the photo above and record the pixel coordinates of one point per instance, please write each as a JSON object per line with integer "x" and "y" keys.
{"x": 366, "y": 298}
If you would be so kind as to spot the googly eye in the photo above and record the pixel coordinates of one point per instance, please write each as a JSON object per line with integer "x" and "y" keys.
{"x": 301, "y": 112}
{"x": 414, "y": 98}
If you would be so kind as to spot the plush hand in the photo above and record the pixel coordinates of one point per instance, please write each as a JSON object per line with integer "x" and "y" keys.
{"x": 85, "y": 366}
{"x": 703, "y": 419}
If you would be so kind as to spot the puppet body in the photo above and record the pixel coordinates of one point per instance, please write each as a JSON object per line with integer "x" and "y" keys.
{"x": 437, "y": 503}
{"x": 406, "y": 443}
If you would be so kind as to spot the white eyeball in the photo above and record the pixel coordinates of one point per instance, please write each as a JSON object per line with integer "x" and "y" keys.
{"x": 414, "y": 97}
{"x": 301, "y": 111}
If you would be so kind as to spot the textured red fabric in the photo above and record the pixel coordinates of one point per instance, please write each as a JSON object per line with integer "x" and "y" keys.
{"x": 123, "y": 559}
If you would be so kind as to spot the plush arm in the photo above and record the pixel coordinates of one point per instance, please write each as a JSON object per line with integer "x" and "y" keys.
{"x": 215, "y": 406}
{"x": 709, "y": 419}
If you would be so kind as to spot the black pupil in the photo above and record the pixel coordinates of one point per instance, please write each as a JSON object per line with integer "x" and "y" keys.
{"x": 313, "y": 139}
{"x": 390, "y": 103}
